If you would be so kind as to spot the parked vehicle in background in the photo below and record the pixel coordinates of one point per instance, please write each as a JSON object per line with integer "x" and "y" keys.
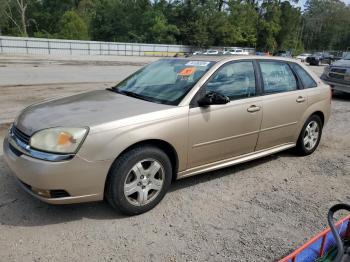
{"x": 172, "y": 119}
{"x": 320, "y": 58}
{"x": 211, "y": 52}
{"x": 197, "y": 53}
{"x": 262, "y": 53}
{"x": 236, "y": 51}
{"x": 302, "y": 57}
{"x": 282, "y": 53}
{"x": 337, "y": 75}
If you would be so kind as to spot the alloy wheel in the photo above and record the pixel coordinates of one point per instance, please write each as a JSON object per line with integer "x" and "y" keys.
{"x": 311, "y": 135}
{"x": 144, "y": 182}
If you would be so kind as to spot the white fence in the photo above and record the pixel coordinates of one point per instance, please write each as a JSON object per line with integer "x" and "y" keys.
{"x": 43, "y": 46}
{"x": 22, "y": 45}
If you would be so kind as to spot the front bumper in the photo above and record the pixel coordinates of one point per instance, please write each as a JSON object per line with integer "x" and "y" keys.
{"x": 83, "y": 180}
{"x": 342, "y": 87}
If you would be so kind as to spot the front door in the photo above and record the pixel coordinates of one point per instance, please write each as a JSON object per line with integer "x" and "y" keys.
{"x": 220, "y": 132}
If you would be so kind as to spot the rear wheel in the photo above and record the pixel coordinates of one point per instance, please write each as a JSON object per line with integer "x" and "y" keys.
{"x": 138, "y": 180}
{"x": 310, "y": 136}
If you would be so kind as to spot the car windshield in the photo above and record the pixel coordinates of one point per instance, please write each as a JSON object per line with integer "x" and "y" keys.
{"x": 347, "y": 56}
{"x": 166, "y": 81}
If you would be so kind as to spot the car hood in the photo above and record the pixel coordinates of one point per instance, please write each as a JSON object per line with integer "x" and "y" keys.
{"x": 342, "y": 62}
{"x": 83, "y": 110}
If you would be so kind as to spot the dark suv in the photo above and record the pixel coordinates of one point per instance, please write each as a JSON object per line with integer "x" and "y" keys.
{"x": 337, "y": 75}
{"x": 319, "y": 58}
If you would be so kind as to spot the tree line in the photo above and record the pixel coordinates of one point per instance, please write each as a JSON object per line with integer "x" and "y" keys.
{"x": 267, "y": 25}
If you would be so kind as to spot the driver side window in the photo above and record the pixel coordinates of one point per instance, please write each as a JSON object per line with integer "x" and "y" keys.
{"x": 235, "y": 80}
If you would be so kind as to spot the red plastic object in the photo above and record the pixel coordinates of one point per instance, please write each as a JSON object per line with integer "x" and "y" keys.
{"x": 323, "y": 236}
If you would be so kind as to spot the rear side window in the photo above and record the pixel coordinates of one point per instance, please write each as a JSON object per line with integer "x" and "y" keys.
{"x": 307, "y": 80}
{"x": 277, "y": 77}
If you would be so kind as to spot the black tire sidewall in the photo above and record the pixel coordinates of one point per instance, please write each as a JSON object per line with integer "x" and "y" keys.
{"x": 300, "y": 145}
{"x": 120, "y": 169}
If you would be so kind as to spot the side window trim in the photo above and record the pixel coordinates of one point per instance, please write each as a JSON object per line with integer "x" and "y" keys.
{"x": 259, "y": 85}
{"x": 299, "y": 83}
{"x": 201, "y": 92}
{"x": 293, "y": 66}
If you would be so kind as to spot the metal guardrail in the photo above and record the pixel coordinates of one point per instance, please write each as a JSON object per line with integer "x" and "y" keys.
{"x": 43, "y": 46}
{"x": 21, "y": 45}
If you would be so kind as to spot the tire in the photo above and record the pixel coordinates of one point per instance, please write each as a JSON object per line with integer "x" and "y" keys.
{"x": 132, "y": 187}
{"x": 307, "y": 142}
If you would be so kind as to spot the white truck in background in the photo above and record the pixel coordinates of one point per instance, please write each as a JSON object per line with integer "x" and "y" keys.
{"x": 236, "y": 51}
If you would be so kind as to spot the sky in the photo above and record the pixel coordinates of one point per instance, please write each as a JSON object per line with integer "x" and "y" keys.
{"x": 302, "y": 2}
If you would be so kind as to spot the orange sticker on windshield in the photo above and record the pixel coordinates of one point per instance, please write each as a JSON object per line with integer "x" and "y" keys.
{"x": 187, "y": 71}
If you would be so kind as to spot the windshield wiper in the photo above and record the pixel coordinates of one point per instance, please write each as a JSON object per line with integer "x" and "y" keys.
{"x": 135, "y": 95}
{"x": 131, "y": 94}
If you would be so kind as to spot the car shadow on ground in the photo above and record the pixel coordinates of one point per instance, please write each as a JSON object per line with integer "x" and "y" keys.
{"x": 341, "y": 96}
{"x": 20, "y": 209}
{"x": 217, "y": 174}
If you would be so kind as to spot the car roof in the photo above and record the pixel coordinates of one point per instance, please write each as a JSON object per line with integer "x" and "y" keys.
{"x": 223, "y": 58}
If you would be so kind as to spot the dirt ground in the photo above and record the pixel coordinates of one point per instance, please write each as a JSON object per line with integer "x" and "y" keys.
{"x": 258, "y": 211}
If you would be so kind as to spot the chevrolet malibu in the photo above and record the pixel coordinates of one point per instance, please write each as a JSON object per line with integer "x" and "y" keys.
{"x": 172, "y": 119}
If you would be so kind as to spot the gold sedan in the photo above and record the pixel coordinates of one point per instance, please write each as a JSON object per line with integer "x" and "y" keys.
{"x": 171, "y": 119}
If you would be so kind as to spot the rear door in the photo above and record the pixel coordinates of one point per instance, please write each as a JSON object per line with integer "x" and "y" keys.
{"x": 284, "y": 102}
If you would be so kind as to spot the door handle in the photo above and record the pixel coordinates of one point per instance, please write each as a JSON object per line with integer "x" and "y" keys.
{"x": 253, "y": 108}
{"x": 301, "y": 99}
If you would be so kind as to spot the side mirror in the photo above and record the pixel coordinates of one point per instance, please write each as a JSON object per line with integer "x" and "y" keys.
{"x": 213, "y": 98}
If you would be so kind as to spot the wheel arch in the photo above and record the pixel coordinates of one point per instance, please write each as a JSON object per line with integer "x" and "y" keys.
{"x": 161, "y": 144}
{"x": 320, "y": 114}
{"x": 306, "y": 116}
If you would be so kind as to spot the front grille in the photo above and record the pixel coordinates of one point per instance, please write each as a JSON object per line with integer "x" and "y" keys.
{"x": 15, "y": 150}
{"x": 336, "y": 76}
{"x": 337, "y": 73}
{"x": 59, "y": 193}
{"x": 20, "y": 135}
{"x": 338, "y": 70}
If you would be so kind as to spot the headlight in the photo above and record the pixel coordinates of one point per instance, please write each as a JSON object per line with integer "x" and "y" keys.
{"x": 59, "y": 139}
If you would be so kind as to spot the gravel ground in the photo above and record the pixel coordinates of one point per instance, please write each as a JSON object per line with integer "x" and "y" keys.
{"x": 257, "y": 211}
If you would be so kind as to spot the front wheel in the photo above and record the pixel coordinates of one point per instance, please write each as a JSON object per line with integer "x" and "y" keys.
{"x": 310, "y": 136}
{"x": 138, "y": 180}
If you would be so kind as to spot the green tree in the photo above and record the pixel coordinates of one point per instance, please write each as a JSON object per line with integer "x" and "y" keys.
{"x": 244, "y": 18}
{"x": 157, "y": 29}
{"x": 72, "y": 26}
{"x": 191, "y": 17}
{"x": 222, "y": 32}
{"x": 269, "y": 25}
{"x": 288, "y": 37}
{"x": 46, "y": 14}
{"x": 15, "y": 15}
{"x": 326, "y": 24}
{"x": 265, "y": 24}
{"x": 110, "y": 22}
{"x": 3, "y": 18}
